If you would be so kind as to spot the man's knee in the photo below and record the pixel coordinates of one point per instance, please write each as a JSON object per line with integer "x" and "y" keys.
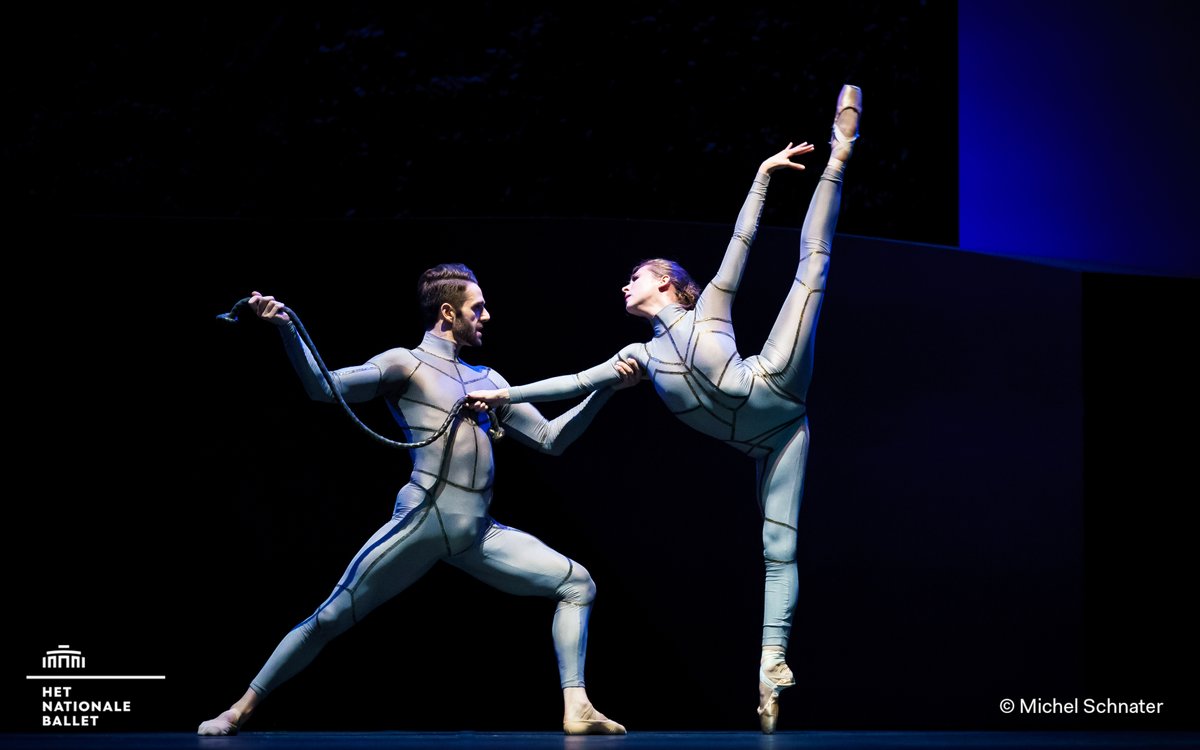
{"x": 578, "y": 588}
{"x": 332, "y": 619}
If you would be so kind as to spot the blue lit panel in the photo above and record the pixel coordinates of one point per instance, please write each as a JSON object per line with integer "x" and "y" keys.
{"x": 1075, "y": 135}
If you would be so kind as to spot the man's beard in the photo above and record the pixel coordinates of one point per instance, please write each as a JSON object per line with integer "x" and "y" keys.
{"x": 463, "y": 332}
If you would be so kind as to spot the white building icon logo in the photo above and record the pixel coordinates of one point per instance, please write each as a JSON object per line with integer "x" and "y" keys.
{"x": 63, "y": 658}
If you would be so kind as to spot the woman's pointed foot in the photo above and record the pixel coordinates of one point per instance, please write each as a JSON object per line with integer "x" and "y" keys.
{"x": 772, "y": 679}
{"x": 845, "y": 122}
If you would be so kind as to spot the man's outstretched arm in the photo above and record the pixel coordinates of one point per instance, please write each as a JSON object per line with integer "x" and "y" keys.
{"x": 354, "y": 384}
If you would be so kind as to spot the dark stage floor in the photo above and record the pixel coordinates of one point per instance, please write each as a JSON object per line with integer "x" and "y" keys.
{"x": 640, "y": 740}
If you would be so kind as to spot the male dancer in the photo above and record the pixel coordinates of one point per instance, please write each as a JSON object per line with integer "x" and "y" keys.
{"x": 441, "y": 514}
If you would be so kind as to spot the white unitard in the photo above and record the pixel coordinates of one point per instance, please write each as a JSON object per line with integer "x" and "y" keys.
{"x": 754, "y": 404}
{"x": 442, "y": 513}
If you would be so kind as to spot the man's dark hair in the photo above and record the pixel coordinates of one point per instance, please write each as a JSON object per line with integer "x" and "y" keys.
{"x": 446, "y": 282}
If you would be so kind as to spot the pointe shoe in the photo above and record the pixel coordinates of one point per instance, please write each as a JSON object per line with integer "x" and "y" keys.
{"x": 842, "y": 141}
{"x": 592, "y": 722}
{"x": 774, "y": 678}
{"x": 224, "y": 725}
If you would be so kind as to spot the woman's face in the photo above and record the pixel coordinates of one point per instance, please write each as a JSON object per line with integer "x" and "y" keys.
{"x": 643, "y": 287}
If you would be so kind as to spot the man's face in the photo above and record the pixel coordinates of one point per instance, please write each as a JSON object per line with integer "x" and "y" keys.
{"x": 468, "y": 323}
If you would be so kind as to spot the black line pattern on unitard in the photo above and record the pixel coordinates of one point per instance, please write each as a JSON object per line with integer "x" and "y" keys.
{"x": 570, "y": 570}
{"x": 662, "y": 362}
{"x": 412, "y": 400}
{"x": 760, "y": 442}
{"x": 804, "y": 308}
{"x": 456, "y": 485}
{"x": 442, "y": 525}
{"x": 714, "y": 391}
{"x": 675, "y": 346}
{"x": 712, "y": 396}
{"x": 764, "y": 475}
{"x": 483, "y": 373}
{"x": 436, "y": 368}
{"x": 424, "y": 508}
{"x": 688, "y": 380}
{"x": 763, "y": 437}
{"x": 475, "y": 463}
{"x": 768, "y": 379}
{"x": 434, "y": 354}
{"x": 726, "y": 367}
{"x": 457, "y": 376}
{"x": 688, "y": 350}
{"x": 402, "y": 385}
{"x": 781, "y": 523}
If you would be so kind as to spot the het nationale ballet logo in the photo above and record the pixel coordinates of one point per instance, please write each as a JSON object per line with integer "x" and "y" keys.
{"x": 63, "y": 658}
{"x": 69, "y": 705}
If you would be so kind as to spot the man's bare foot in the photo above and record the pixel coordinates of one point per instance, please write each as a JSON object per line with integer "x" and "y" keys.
{"x": 587, "y": 720}
{"x": 224, "y": 725}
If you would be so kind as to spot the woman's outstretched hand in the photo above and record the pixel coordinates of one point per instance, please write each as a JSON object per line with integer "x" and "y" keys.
{"x": 629, "y": 374}
{"x": 483, "y": 400}
{"x": 784, "y": 158}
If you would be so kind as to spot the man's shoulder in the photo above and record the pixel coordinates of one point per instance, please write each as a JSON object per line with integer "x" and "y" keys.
{"x": 395, "y": 354}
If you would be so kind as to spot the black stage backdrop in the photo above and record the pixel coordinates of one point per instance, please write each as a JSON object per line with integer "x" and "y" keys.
{"x": 998, "y": 501}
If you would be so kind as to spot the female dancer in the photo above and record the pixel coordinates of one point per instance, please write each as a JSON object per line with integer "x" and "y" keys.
{"x": 754, "y": 404}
